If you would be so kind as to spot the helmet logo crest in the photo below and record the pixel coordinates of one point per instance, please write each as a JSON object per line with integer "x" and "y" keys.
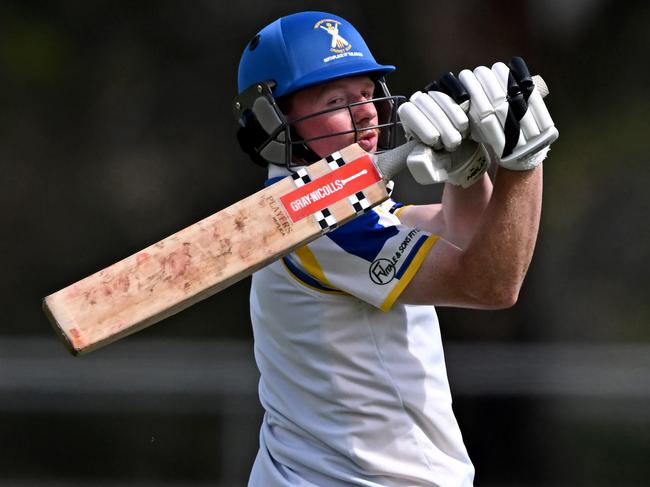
{"x": 338, "y": 43}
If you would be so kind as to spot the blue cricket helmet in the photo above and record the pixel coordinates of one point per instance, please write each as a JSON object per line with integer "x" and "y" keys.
{"x": 290, "y": 54}
{"x": 305, "y": 49}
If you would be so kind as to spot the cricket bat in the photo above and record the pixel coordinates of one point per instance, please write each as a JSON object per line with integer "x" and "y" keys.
{"x": 218, "y": 251}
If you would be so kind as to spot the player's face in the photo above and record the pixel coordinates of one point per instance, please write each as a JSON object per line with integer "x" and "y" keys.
{"x": 336, "y": 94}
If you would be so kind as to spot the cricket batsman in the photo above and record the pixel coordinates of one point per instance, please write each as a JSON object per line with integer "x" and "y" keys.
{"x": 347, "y": 341}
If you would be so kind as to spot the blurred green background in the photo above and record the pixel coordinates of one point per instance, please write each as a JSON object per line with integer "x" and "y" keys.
{"x": 116, "y": 130}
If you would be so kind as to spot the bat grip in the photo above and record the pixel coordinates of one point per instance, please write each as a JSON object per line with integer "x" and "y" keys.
{"x": 391, "y": 162}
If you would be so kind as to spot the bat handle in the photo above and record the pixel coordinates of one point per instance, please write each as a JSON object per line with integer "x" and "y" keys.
{"x": 393, "y": 161}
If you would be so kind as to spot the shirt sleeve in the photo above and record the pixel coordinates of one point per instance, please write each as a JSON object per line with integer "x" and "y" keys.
{"x": 373, "y": 257}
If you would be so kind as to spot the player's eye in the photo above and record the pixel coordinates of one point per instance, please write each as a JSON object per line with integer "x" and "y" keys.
{"x": 336, "y": 101}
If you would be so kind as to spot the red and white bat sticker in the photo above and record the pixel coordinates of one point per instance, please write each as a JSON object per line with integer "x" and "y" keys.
{"x": 330, "y": 188}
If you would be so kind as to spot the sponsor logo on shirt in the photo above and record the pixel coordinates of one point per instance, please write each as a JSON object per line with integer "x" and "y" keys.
{"x": 383, "y": 270}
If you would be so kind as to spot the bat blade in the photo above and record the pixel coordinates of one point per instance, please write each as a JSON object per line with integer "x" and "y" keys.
{"x": 216, "y": 252}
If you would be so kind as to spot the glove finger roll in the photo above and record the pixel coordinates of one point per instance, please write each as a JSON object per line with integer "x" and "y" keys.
{"x": 516, "y": 99}
{"x": 528, "y": 126}
{"x": 449, "y": 135}
{"x": 511, "y": 129}
{"x": 450, "y": 85}
{"x": 517, "y": 108}
{"x": 480, "y": 105}
{"x": 502, "y": 73}
{"x": 539, "y": 111}
{"x": 492, "y": 132}
{"x": 520, "y": 73}
{"x": 494, "y": 91}
{"x": 453, "y": 110}
{"x": 417, "y": 124}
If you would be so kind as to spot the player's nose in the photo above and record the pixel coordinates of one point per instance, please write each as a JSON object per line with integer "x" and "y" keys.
{"x": 365, "y": 113}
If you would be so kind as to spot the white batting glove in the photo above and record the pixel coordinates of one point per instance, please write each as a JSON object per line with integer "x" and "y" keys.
{"x": 508, "y": 115}
{"x": 463, "y": 167}
{"x": 440, "y": 123}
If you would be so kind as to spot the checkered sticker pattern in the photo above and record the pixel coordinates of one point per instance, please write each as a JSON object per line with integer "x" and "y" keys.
{"x": 335, "y": 160}
{"x": 301, "y": 177}
{"x": 326, "y": 220}
{"x": 359, "y": 202}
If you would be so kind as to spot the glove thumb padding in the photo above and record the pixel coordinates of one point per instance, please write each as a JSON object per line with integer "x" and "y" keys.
{"x": 463, "y": 167}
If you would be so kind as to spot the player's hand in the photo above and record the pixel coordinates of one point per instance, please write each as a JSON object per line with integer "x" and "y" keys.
{"x": 508, "y": 115}
{"x": 441, "y": 124}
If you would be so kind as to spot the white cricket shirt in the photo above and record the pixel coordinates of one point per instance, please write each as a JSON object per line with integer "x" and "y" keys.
{"x": 354, "y": 385}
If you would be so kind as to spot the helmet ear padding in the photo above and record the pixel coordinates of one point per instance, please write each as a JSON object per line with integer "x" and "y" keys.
{"x": 250, "y": 137}
{"x": 267, "y": 114}
{"x": 262, "y": 126}
{"x": 264, "y": 133}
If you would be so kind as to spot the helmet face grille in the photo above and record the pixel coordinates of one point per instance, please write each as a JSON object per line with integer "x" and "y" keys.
{"x": 283, "y": 146}
{"x": 387, "y": 126}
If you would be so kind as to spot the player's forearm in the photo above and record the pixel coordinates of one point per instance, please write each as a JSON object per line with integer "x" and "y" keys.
{"x": 463, "y": 208}
{"x": 457, "y": 217}
{"x": 498, "y": 256}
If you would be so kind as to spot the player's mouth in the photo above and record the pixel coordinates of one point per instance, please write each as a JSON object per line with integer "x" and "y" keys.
{"x": 368, "y": 140}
